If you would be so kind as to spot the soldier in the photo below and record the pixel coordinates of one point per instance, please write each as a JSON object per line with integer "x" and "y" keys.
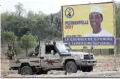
{"x": 10, "y": 52}
{"x": 37, "y": 50}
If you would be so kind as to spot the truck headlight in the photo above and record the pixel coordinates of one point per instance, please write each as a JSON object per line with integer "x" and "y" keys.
{"x": 81, "y": 56}
{"x": 94, "y": 57}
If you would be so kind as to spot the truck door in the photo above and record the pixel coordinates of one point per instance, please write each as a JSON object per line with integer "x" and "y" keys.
{"x": 52, "y": 58}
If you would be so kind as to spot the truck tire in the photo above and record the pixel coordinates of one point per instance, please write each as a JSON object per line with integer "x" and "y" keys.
{"x": 26, "y": 70}
{"x": 87, "y": 69}
{"x": 90, "y": 68}
{"x": 71, "y": 67}
{"x": 42, "y": 72}
{"x": 45, "y": 72}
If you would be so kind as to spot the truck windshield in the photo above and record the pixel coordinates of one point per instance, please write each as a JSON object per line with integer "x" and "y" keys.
{"x": 63, "y": 48}
{"x": 68, "y": 47}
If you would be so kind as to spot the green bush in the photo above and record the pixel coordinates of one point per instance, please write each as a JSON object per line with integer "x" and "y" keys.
{"x": 9, "y": 36}
{"x": 28, "y": 41}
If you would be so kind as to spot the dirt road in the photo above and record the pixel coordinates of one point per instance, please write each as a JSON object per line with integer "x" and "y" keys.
{"x": 104, "y": 63}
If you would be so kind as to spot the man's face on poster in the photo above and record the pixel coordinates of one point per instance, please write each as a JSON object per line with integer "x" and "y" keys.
{"x": 95, "y": 20}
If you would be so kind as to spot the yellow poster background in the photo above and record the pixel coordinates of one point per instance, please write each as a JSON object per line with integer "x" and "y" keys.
{"x": 81, "y": 12}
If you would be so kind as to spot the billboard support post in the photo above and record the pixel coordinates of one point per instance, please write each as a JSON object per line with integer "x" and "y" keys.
{"x": 115, "y": 69}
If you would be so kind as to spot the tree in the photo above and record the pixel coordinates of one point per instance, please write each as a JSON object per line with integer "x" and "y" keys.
{"x": 57, "y": 23}
{"x": 30, "y": 14}
{"x": 7, "y": 20}
{"x": 13, "y": 23}
{"x": 19, "y": 9}
{"x": 9, "y": 37}
{"x": 39, "y": 24}
{"x": 28, "y": 41}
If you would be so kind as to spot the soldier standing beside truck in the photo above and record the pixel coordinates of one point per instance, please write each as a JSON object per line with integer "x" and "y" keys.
{"x": 10, "y": 52}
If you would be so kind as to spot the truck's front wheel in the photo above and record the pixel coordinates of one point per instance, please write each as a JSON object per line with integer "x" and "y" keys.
{"x": 71, "y": 67}
{"x": 26, "y": 70}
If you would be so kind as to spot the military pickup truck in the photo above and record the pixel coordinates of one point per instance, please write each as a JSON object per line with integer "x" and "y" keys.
{"x": 53, "y": 56}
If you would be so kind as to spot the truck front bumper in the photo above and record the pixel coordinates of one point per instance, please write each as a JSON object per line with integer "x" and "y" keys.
{"x": 86, "y": 62}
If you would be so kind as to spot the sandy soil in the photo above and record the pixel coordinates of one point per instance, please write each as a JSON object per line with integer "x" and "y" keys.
{"x": 104, "y": 63}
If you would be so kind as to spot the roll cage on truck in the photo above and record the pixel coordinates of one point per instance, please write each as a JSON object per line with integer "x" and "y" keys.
{"x": 53, "y": 56}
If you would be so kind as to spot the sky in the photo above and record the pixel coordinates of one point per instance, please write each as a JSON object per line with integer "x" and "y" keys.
{"x": 46, "y": 6}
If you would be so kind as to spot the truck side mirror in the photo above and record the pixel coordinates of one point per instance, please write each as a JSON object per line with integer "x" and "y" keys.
{"x": 54, "y": 43}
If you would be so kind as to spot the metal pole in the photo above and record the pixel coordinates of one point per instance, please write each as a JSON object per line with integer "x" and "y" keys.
{"x": 114, "y": 36}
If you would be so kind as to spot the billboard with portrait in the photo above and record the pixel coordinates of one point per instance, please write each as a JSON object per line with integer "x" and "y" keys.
{"x": 87, "y": 25}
